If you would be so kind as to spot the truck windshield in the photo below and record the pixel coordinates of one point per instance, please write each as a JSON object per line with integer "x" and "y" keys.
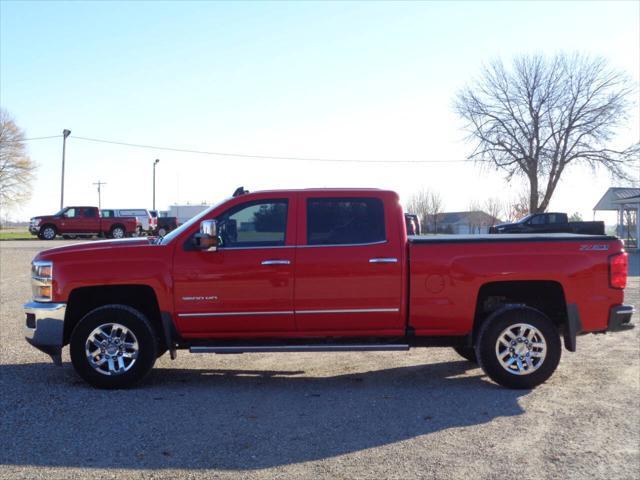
{"x": 186, "y": 225}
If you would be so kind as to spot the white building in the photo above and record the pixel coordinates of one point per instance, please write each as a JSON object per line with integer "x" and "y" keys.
{"x": 185, "y": 212}
{"x": 625, "y": 201}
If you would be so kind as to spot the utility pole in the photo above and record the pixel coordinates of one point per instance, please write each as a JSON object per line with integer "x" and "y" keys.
{"x": 65, "y": 134}
{"x": 155, "y": 162}
{"x": 99, "y": 184}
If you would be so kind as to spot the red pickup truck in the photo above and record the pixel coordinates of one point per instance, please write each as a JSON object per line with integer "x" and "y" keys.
{"x": 324, "y": 270}
{"x": 71, "y": 222}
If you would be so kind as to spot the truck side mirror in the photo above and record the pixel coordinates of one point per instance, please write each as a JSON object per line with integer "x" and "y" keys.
{"x": 207, "y": 239}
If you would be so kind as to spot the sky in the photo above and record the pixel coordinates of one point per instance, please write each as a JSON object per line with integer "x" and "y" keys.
{"x": 340, "y": 80}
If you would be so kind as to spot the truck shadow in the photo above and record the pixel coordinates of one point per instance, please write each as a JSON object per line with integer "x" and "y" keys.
{"x": 234, "y": 419}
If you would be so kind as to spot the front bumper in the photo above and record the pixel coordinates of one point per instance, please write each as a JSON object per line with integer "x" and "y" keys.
{"x": 33, "y": 230}
{"x": 620, "y": 318}
{"x": 44, "y": 327}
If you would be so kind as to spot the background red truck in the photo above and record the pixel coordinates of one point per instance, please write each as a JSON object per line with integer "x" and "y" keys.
{"x": 72, "y": 222}
{"x": 324, "y": 270}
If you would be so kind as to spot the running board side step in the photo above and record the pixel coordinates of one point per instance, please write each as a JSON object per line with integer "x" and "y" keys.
{"x": 299, "y": 348}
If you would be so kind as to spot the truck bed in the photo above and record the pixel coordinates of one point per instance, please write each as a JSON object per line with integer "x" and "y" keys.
{"x": 509, "y": 237}
{"x": 448, "y": 274}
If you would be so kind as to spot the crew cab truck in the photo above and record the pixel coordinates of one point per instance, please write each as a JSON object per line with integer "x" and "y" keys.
{"x": 324, "y": 270}
{"x": 549, "y": 222}
{"x": 71, "y": 222}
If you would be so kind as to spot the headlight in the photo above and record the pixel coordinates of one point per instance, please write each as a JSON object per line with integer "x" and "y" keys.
{"x": 35, "y": 222}
{"x": 41, "y": 281}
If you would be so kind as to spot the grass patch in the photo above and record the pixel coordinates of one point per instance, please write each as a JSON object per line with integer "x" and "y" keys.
{"x": 16, "y": 235}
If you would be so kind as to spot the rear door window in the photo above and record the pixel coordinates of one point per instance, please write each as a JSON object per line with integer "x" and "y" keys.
{"x": 344, "y": 221}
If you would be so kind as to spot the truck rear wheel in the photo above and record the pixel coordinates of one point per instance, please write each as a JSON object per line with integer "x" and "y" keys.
{"x": 519, "y": 348}
{"x": 117, "y": 232}
{"x": 113, "y": 346}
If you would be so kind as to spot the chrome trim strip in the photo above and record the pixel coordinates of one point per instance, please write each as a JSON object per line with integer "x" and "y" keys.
{"x": 351, "y": 310}
{"x": 383, "y": 260}
{"x": 298, "y": 348}
{"x": 291, "y": 312}
{"x": 344, "y": 244}
{"x": 235, "y": 314}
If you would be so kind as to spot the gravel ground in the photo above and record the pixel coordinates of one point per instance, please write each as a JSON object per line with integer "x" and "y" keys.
{"x": 422, "y": 414}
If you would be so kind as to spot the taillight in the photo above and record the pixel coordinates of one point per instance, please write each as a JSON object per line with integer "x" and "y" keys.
{"x": 618, "y": 265}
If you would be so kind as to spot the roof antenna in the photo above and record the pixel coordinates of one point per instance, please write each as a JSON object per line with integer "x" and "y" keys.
{"x": 240, "y": 191}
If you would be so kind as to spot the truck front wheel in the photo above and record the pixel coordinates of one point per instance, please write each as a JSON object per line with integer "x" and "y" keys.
{"x": 519, "y": 348}
{"x": 113, "y": 346}
{"x": 48, "y": 232}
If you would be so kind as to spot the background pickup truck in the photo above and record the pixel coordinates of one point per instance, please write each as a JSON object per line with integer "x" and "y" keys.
{"x": 72, "y": 222}
{"x": 324, "y": 270}
{"x": 163, "y": 225}
{"x": 549, "y": 223}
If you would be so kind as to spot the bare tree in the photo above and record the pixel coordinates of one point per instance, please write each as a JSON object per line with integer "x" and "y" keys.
{"x": 427, "y": 205}
{"x": 437, "y": 205}
{"x": 16, "y": 168}
{"x": 493, "y": 207}
{"x": 517, "y": 207}
{"x": 544, "y": 114}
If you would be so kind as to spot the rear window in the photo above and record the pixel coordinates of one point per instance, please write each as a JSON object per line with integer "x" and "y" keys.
{"x": 341, "y": 221}
{"x": 132, "y": 213}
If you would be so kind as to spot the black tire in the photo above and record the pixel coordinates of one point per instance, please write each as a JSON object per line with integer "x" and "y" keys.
{"x": 48, "y": 232}
{"x": 117, "y": 231}
{"x": 491, "y": 331}
{"x": 468, "y": 353}
{"x": 136, "y": 323}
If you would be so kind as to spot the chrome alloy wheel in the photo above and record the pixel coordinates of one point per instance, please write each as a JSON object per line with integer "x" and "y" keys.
{"x": 49, "y": 233}
{"x": 111, "y": 349}
{"x": 521, "y": 349}
{"x": 117, "y": 232}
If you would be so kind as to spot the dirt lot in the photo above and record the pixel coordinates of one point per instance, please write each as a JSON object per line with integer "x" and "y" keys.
{"x": 422, "y": 414}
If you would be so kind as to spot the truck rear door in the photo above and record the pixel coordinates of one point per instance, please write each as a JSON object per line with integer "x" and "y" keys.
{"x": 89, "y": 220}
{"x": 349, "y": 264}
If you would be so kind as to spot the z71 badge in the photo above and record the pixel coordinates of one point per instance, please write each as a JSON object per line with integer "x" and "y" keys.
{"x": 592, "y": 248}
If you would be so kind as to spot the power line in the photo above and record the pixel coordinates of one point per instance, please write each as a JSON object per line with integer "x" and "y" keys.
{"x": 259, "y": 156}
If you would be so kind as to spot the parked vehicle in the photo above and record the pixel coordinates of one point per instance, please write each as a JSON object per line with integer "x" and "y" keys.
{"x": 146, "y": 223}
{"x": 224, "y": 283}
{"x": 549, "y": 223}
{"x": 163, "y": 224}
{"x": 72, "y": 222}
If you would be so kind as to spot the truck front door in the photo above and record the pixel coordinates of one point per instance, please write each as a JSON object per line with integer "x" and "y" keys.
{"x": 246, "y": 286}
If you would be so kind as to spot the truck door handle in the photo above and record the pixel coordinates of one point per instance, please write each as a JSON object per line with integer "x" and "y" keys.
{"x": 383, "y": 260}
{"x": 275, "y": 262}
